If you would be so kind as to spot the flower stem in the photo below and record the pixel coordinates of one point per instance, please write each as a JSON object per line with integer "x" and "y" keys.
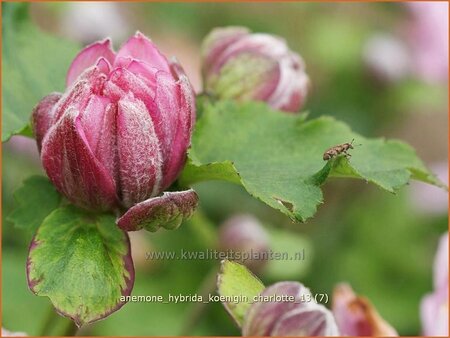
{"x": 54, "y": 324}
{"x": 197, "y": 309}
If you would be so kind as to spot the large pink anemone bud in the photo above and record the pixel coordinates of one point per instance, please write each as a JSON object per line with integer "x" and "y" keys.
{"x": 120, "y": 132}
{"x": 244, "y": 66}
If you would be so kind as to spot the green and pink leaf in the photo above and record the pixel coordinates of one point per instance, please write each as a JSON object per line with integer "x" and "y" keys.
{"x": 82, "y": 262}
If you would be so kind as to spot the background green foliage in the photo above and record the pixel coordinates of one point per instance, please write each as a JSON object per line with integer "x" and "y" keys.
{"x": 381, "y": 243}
{"x": 25, "y": 50}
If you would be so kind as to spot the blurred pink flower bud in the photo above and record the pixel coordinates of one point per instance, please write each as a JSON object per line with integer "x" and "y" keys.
{"x": 120, "y": 132}
{"x": 244, "y": 66}
{"x": 301, "y": 317}
{"x": 386, "y": 58}
{"x": 434, "y": 306}
{"x": 356, "y": 316}
{"x": 429, "y": 199}
{"x": 244, "y": 235}
{"x": 428, "y": 34}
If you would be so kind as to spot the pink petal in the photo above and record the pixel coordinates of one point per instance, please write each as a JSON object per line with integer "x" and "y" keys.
{"x": 106, "y": 151}
{"x": 440, "y": 267}
{"x": 293, "y": 85}
{"x": 72, "y": 167}
{"x": 78, "y": 95}
{"x": 145, "y": 72}
{"x": 308, "y": 319}
{"x": 91, "y": 119}
{"x": 182, "y": 127}
{"x": 167, "y": 211}
{"x": 141, "y": 48}
{"x": 168, "y": 121}
{"x": 262, "y": 317}
{"x": 139, "y": 151}
{"x": 123, "y": 81}
{"x": 434, "y": 313}
{"x": 356, "y": 316}
{"x": 89, "y": 57}
{"x": 217, "y": 42}
{"x": 43, "y": 116}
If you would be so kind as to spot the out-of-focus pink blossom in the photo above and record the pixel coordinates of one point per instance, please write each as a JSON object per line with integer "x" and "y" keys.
{"x": 244, "y": 66}
{"x": 434, "y": 306}
{"x": 119, "y": 134}
{"x": 244, "y": 235}
{"x": 90, "y": 21}
{"x": 302, "y": 317}
{"x": 386, "y": 57}
{"x": 356, "y": 316}
{"x": 428, "y": 33}
{"x": 430, "y": 199}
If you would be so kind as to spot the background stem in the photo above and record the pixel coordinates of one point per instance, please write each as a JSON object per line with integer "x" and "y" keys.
{"x": 197, "y": 309}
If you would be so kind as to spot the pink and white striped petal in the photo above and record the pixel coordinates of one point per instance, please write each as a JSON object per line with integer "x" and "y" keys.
{"x": 139, "y": 149}
{"x": 73, "y": 168}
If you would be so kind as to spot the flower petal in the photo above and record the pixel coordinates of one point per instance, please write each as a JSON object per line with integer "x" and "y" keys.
{"x": 145, "y": 72}
{"x": 122, "y": 81}
{"x": 356, "y": 316}
{"x": 167, "y": 211}
{"x": 89, "y": 57}
{"x": 140, "y": 158}
{"x": 72, "y": 167}
{"x": 141, "y": 48}
{"x": 440, "y": 267}
{"x": 308, "y": 319}
{"x": 293, "y": 84}
{"x": 216, "y": 43}
{"x": 434, "y": 313}
{"x": 183, "y": 119}
{"x": 262, "y": 316}
{"x": 43, "y": 116}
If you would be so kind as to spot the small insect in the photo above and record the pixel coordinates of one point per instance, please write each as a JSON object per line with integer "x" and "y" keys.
{"x": 337, "y": 150}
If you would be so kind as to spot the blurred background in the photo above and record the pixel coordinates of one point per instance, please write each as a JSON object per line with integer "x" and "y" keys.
{"x": 380, "y": 67}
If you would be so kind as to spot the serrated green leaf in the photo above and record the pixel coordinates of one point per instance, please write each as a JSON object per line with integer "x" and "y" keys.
{"x": 82, "y": 262}
{"x": 34, "y": 64}
{"x": 35, "y": 200}
{"x": 277, "y": 157}
{"x": 235, "y": 280}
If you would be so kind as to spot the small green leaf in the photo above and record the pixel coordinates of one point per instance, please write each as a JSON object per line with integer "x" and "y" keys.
{"x": 82, "y": 262}
{"x": 35, "y": 200}
{"x": 235, "y": 280}
{"x": 277, "y": 157}
{"x": 34, "y": 64}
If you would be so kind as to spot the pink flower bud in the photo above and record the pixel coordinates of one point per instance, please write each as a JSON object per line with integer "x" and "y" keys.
{"x": 356, "y": 316}
{"x": 244, "y": 66}
{"x": 119, "y": 133}
{"x": 434, "y": 306}
{"x": 246, "y": 240}
{"x": 284, "y": 317}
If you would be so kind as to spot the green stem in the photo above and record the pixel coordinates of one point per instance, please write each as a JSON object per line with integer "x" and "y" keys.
{"x": 69, "y": 329}
{"x": 50, "y": 318}
{"x": 197, "y": 309}
{"x": 54, "y": 324}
